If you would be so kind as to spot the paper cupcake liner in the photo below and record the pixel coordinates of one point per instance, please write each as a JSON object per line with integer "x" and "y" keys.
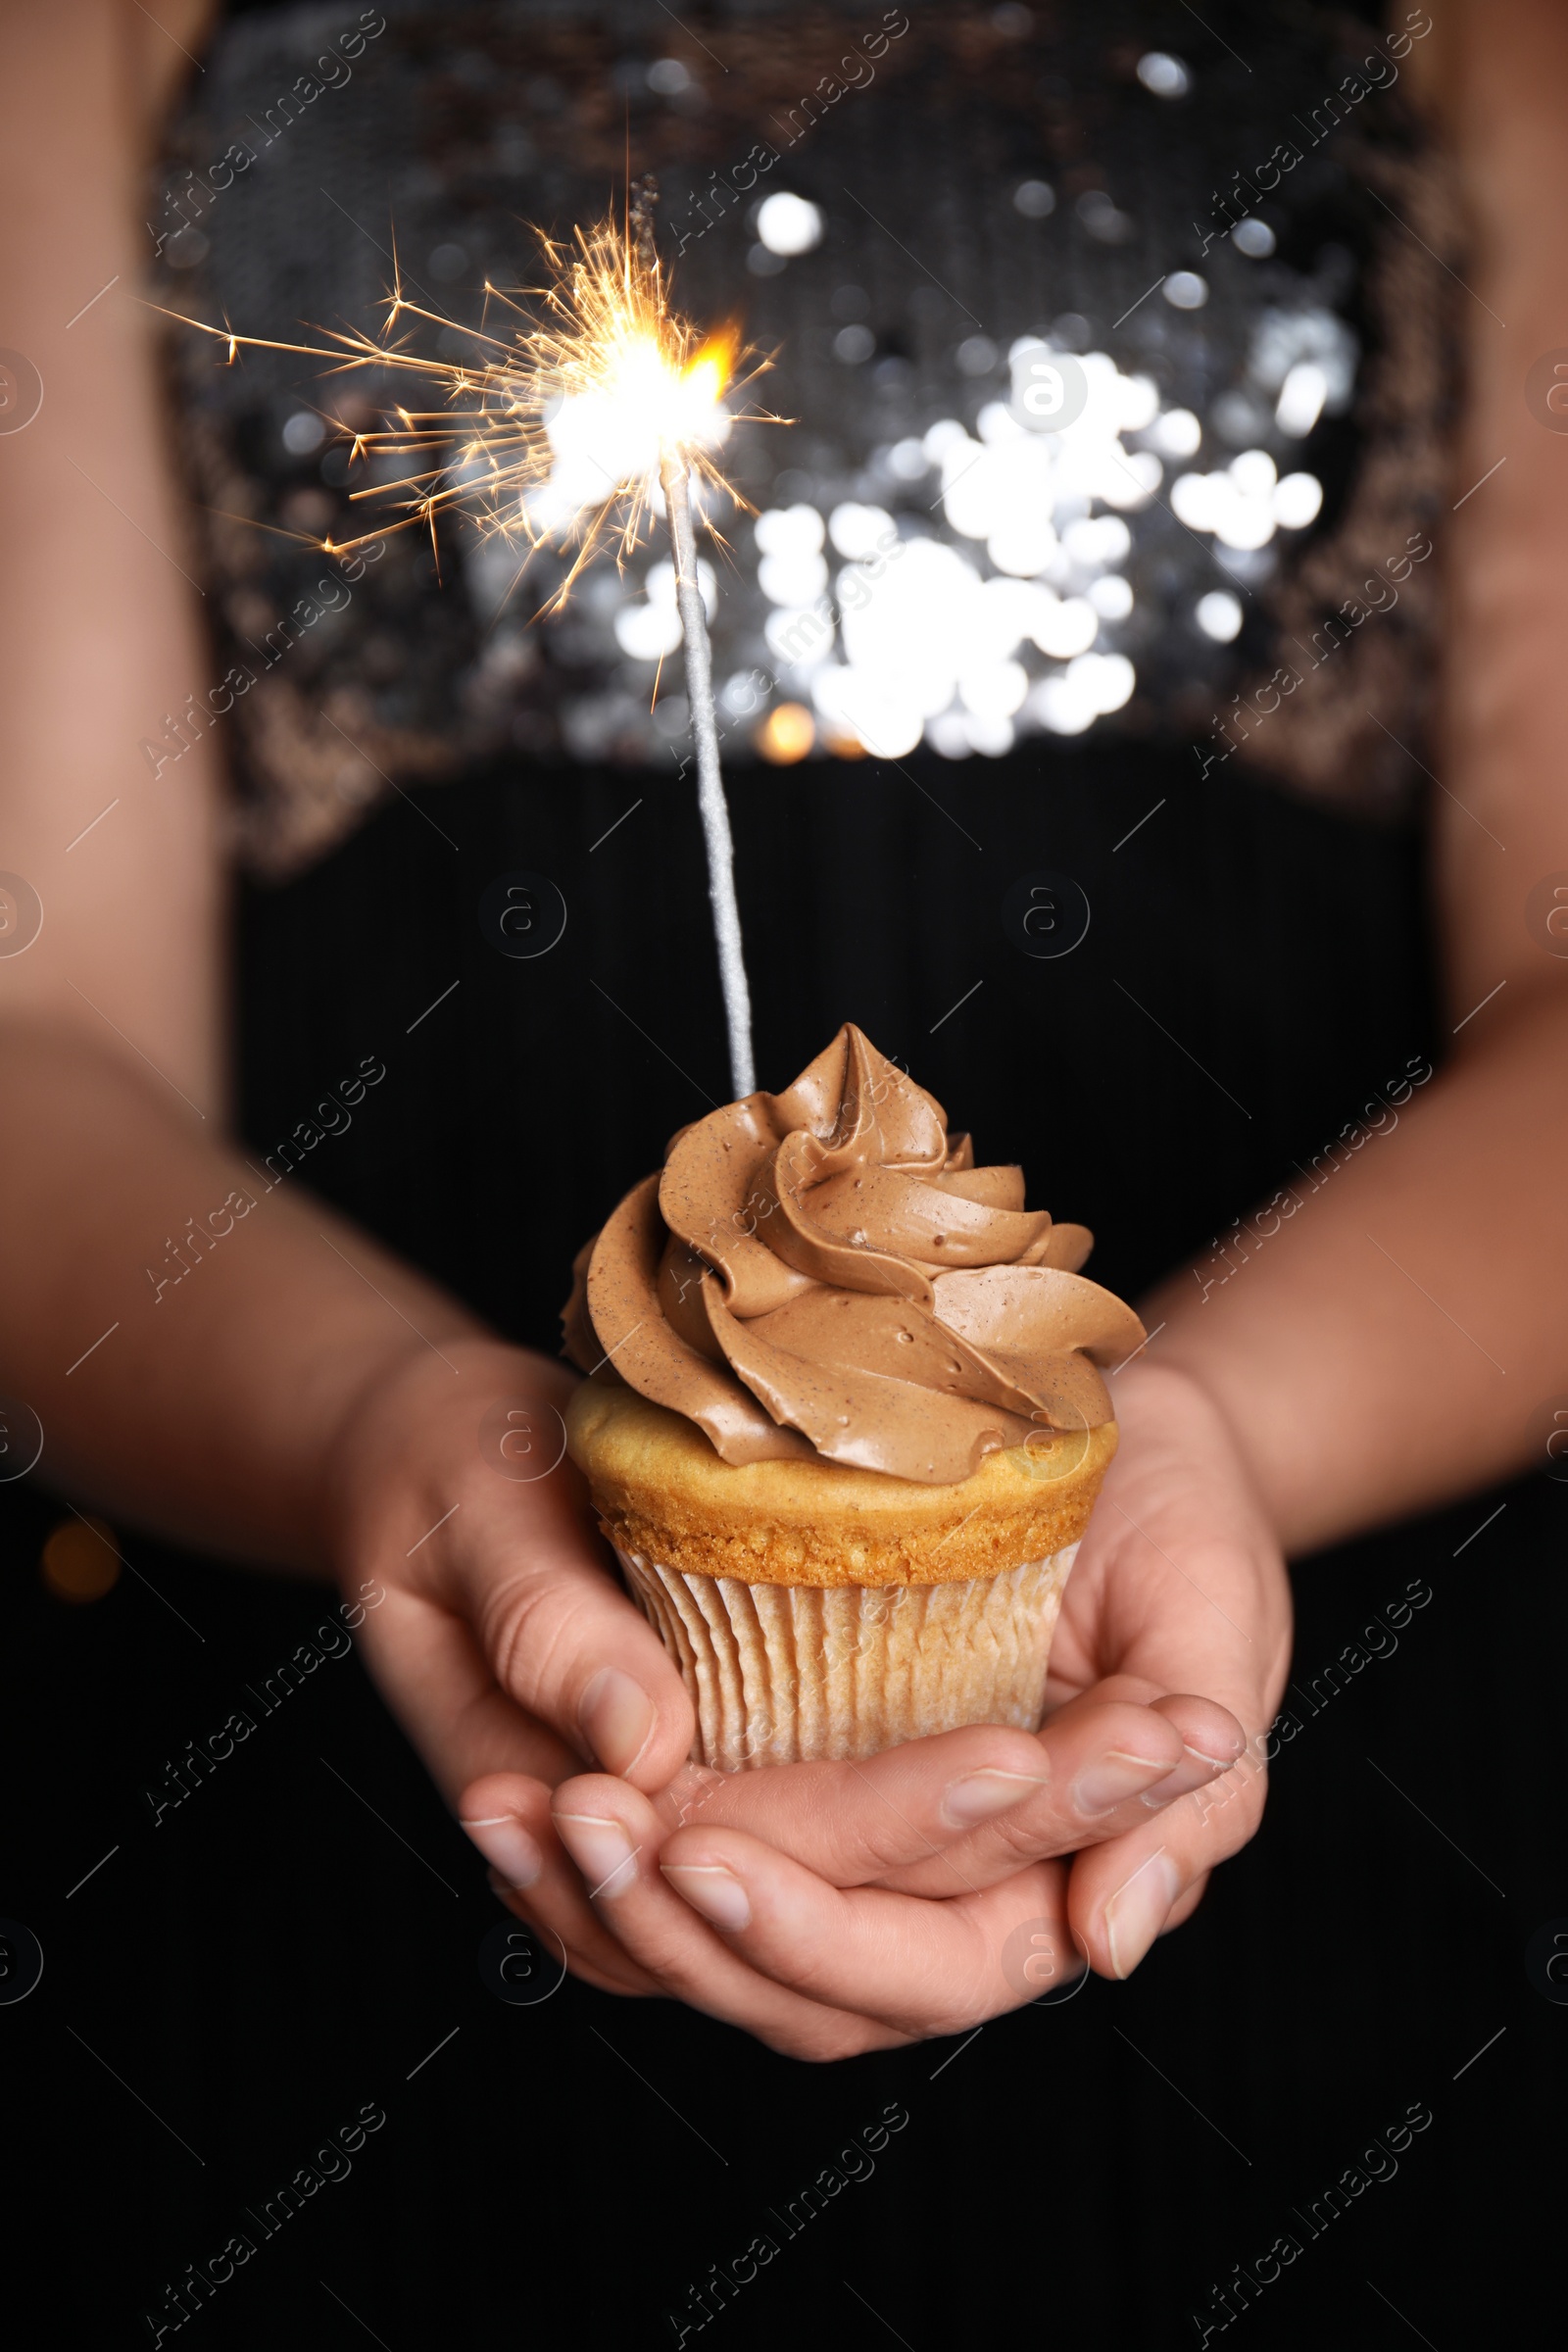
{"x": 785, "y": 1674}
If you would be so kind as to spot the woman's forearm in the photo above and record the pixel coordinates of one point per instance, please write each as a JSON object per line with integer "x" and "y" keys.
{"x": 102, "y": 642}
{"x": 192, "y": 1329}
{"x": 1402, "y": 1337}
{"x": 1388, "y": 1330}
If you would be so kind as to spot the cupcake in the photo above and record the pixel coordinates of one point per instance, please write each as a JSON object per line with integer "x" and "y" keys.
{"x": 843, "y": 1421}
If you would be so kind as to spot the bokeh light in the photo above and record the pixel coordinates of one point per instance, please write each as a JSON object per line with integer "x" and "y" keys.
{"x": 788, "y": 224}
{"x": 787, "y": 734}
{"x": 81, "y": 1560}
{"x": 1167, "y": 75}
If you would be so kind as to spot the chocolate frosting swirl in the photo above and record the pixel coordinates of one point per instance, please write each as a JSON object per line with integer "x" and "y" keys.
{"x": 826, "y": 1272}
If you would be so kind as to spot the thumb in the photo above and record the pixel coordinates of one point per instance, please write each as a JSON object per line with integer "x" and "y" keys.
{"x": 565, "y": 1643}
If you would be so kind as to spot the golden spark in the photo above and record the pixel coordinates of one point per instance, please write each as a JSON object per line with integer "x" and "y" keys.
{"x": 561, "y": 427}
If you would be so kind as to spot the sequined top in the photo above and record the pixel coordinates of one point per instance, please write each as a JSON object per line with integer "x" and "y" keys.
{"x": 1115, "y": 344}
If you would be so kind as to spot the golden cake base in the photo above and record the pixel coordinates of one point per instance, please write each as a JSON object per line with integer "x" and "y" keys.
{"x": 662, "y": 1491}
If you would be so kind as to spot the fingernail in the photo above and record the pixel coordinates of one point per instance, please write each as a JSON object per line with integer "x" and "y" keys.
{"x": 1139, "y": 1909}
{"x": 1183, "y": 1781}
{"x": 715, "y": 1893}
{"x": 508, "y": 1849}
{"x": 618, "y": 1719}
{"x": 601, "y": 1849}
{"x": 1112, "y": 1779}
{"x": 980, "y": 1795}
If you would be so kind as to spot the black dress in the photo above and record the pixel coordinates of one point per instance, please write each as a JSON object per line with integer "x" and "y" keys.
{"x": 273, "y": 1984}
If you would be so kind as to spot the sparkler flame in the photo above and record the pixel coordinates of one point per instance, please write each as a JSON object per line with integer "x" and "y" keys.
{"x": 558, "y": 430}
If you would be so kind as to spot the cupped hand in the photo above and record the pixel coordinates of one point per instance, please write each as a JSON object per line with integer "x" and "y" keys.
{"x": 831, "y": 1908}
{"x": 493, "y": 1621}
{"x": 504, "y": 1644}
{"x": 1180, "y": 1584}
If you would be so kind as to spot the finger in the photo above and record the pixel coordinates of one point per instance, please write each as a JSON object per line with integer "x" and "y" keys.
{"x": 565, "y": 1643}
{"x": 615, "y": 1836}
{"x": 495, "y": 1765}
{"x": 1124, "y": 1894}
{"x": 923, "y": 1968}
{"x": 439, "y": 1685}
{"x": 851, "y": 1822}
{"x": 508, "y": 1818}
{"x": 907, "y": 1819}
{"x": 1206, "y": 1726}
{"x": 628, "y": 1983}
{"x": 1108, "y": 1763}
{"x": 1187, "y": 1903}
{"x": 1212, "y": 1740}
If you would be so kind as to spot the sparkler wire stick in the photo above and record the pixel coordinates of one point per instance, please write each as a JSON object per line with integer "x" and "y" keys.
{"x": 710, "y": 800}
{"x": 711, "y": 804}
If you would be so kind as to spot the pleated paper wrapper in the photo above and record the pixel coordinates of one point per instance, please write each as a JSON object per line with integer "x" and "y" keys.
{"x": 786, "y": 1674}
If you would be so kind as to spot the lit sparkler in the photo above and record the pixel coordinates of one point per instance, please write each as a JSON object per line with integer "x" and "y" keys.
{"x": 573, "y": 427}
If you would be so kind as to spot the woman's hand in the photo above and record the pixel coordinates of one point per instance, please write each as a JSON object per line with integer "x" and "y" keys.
{"x": 1180, "y": 1585}
{"x": 834, "y": 1909}
{"x": 503, "y": 1644}
{"x": 514, "y": 1658}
